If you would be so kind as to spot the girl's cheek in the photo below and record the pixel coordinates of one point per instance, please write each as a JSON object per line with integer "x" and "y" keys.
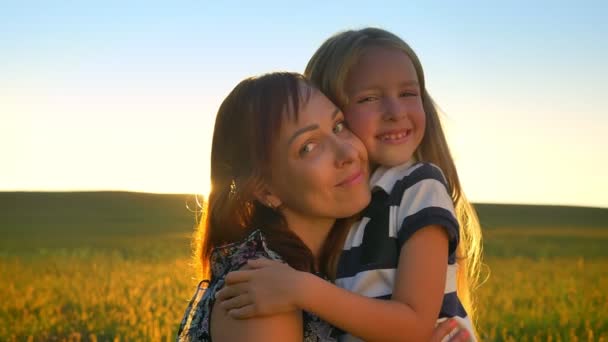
{"x": 355, "y": 121}
{"x": 363, "y": 131}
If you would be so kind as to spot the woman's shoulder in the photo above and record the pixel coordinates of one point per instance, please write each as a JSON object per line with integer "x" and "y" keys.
{"x": 234, "y": 255}
{"x": 230, "y": 257}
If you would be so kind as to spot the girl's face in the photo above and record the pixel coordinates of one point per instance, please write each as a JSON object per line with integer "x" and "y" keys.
{"x": 319, "y": 167}
{"x": 385, "y": 105}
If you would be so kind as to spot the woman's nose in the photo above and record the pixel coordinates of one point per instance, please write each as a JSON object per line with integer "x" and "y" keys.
{"x": 346, "y": 153}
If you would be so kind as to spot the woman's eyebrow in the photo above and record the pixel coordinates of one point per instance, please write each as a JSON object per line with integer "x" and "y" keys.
{"x": 335, "y": 113}
{"x": 311, "y": 127}
{"x": 302, "y": 130}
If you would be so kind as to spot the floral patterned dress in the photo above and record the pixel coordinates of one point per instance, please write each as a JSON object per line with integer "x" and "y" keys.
{"x": 195, "y": 324}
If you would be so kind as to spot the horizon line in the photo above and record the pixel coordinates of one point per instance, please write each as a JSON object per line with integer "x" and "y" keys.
{"x": 204, "y": 196}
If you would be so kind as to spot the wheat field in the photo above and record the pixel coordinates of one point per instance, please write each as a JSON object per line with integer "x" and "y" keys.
{"x": 80, "y": 269}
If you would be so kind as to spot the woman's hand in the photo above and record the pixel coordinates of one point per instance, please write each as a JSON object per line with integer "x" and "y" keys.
{"x": 267, "y": 287}
{"x": 451, "y": 330}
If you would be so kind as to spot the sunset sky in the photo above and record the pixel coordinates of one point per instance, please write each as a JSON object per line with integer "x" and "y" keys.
{"x": 122, "y": 95}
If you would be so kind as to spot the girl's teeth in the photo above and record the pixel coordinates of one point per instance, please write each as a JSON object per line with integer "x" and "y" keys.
{"x": 393, "y": 136}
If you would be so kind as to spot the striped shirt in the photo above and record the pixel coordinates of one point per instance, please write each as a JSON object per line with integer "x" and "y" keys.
{"x": 405, "y": 199}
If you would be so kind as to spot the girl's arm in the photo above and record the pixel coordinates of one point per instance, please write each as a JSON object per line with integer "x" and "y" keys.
{"x": 409, "y": 316}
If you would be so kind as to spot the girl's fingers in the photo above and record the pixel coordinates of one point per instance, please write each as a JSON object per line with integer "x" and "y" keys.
{"x": 242, "y": 312}
{"x": 462, "y": 336}
{"x": 235, "y": 277}
{"x": 244, "y": 275}
{"x": 260, "y": 262}
{"x": 443, "y": 330}
{"x": 229, "y": 291}
{"x": 223, "y": 294}
{"x": 236, "y": 302}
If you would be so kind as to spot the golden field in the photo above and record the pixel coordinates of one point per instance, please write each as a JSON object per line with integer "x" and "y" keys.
{"x": 116, "y": 267}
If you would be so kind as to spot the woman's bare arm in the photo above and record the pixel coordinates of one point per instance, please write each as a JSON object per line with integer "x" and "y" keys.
{"x": 279, "y": 327}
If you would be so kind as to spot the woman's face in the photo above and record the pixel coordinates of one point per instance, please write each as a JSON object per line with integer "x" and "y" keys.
{"x": 319, "y": 167}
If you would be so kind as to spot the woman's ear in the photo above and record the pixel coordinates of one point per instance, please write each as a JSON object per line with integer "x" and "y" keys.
{"x": 267, "y": 197}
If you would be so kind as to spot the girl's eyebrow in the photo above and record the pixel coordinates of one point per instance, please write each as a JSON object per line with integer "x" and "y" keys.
{"x": 377, "y": 86}
{"x": 410, "y": 83}
{"x": 311, "y": 127}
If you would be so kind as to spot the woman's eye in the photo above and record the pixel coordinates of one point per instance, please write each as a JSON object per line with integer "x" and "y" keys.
{"x": 307, "y": 148}
{"x": 339, "y": 127}
{"x": 408, "y": 93}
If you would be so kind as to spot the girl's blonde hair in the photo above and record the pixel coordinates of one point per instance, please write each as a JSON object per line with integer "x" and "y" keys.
{"x": 329, "y": 69}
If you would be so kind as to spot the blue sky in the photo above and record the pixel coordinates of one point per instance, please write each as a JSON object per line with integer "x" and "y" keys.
{"x": 122, "y": 95}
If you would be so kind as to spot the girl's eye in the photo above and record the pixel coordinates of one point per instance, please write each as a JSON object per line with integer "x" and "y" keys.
{"x": 307, "y": 148}
{"x": 366, "y": 99}
{"x": 339, "y": 127}
{"x": 408, "y": 93}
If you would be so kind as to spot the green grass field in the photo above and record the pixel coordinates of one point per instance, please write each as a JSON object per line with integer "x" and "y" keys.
{"x": 115, "y": 267}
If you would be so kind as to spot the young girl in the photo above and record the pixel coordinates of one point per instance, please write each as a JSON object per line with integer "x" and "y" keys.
{"x": 418, "y": 242}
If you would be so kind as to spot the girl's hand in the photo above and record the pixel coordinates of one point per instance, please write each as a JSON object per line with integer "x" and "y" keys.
{"x": 451, "y": 330}
{"x": 267, "y": 287}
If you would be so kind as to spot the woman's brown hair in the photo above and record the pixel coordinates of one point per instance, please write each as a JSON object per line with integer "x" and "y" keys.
{"x": 246, "y": 127}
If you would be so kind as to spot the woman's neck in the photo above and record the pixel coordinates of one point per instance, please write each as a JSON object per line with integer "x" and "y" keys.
{"x": 312, "y": 231}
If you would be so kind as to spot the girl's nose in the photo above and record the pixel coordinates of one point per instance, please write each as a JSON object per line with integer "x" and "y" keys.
{"x": 394, "y": 109}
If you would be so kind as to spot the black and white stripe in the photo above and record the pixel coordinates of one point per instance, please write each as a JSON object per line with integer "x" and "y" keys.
{"x": 405, "y": 199}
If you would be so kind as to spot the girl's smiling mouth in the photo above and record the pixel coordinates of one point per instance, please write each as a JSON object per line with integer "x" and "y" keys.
{"x": 395, "y": 136}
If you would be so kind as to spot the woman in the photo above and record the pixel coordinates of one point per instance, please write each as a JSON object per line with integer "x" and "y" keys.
{"x": 284, "y": 171}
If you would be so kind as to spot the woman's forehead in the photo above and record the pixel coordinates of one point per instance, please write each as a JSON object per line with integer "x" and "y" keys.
{"x": 296, "y": 103}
